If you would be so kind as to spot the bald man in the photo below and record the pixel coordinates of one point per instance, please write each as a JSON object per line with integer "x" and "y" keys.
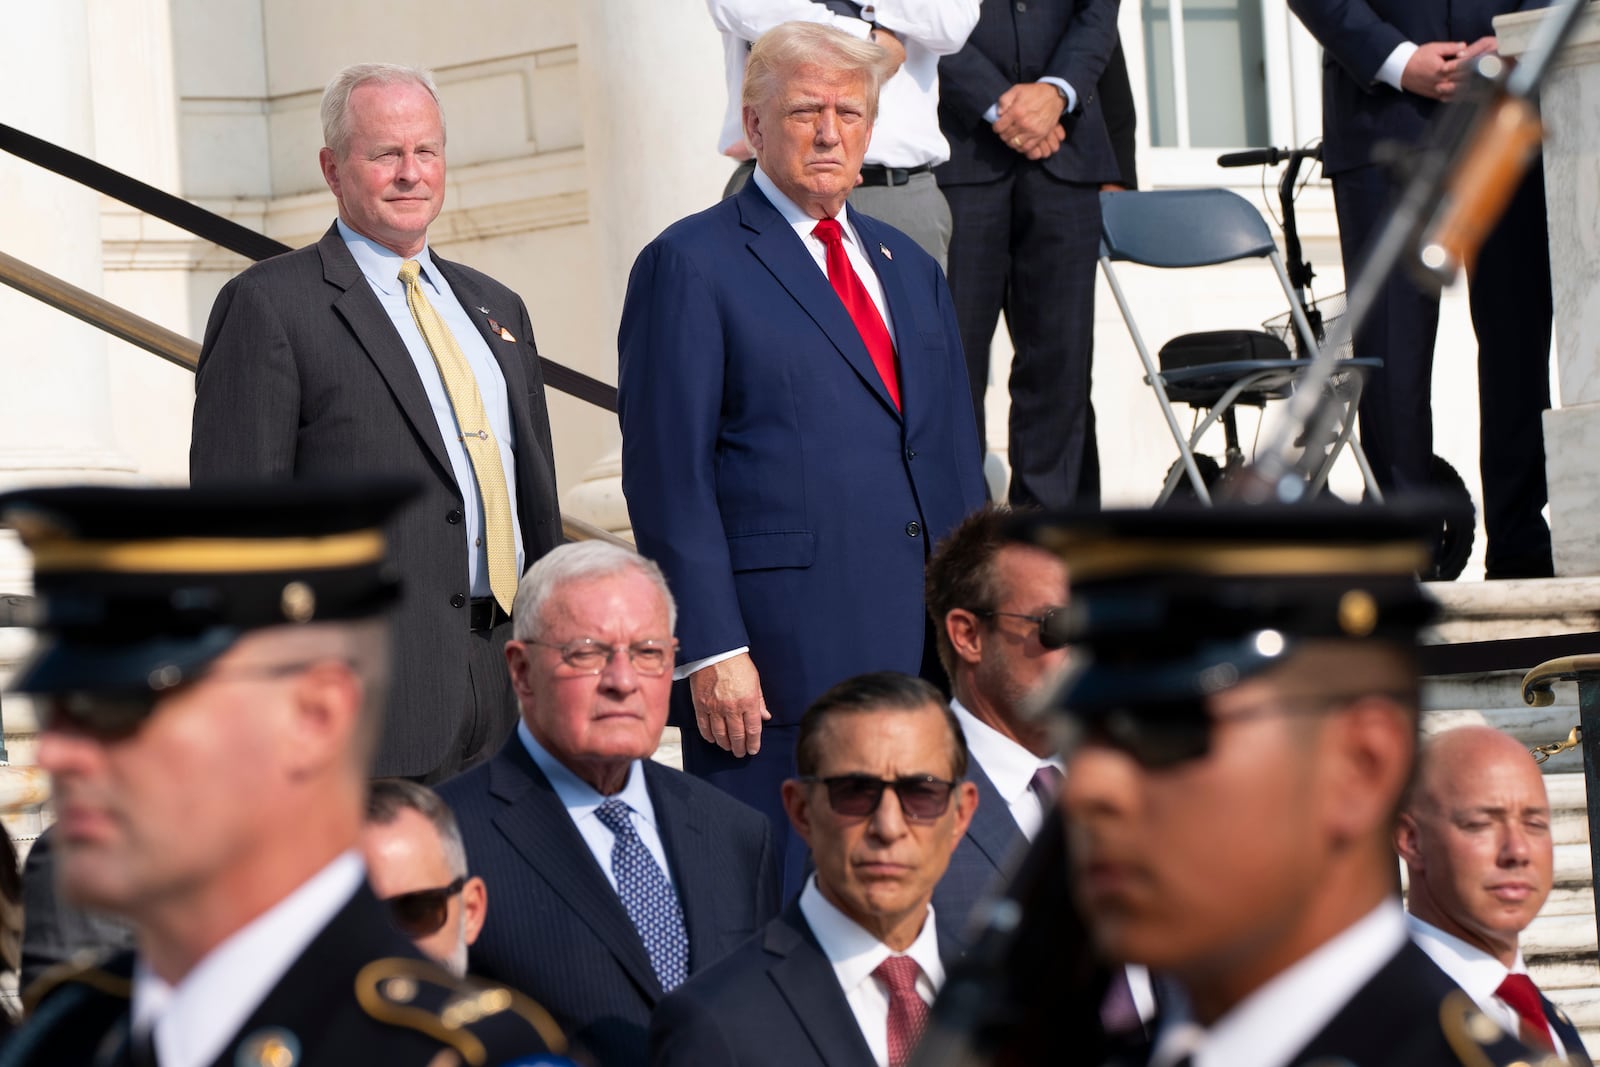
{"x": 1475, "y": 837}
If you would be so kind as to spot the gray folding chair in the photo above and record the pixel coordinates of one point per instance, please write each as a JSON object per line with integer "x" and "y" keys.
{"x": 1218, "y": 370}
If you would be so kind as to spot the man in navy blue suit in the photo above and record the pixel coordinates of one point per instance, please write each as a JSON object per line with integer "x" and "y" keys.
{"x": 616, "y": 876}
{"x": 1387, "y": 66}
{"x": 796, "y": 427}
{"x": 844, "y": 976}
{"x": 1020, "y": 106}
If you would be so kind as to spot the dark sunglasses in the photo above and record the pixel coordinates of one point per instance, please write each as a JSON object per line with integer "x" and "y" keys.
{"x": 923, "y": 798}
{"x": 1053, "y": 624}
{"x": 422, "y": 912}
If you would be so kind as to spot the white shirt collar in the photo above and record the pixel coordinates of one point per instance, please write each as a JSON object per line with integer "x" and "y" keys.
{"x": 578, "y": 796}
{"x": 195, "y": 1019}
{"x": 854, "y": 952}
{"x": 1277, "y": 1020}
{"x": 1009, "y": 765}
{"x": 380, "y": 265}
{"x": 1471, "y": 968}
{"x": 795, "y": 215}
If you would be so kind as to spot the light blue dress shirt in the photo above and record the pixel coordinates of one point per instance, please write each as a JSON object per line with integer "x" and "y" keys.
{"x": 381, "y": 268}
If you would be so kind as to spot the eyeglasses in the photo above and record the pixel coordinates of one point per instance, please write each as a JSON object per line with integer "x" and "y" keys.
{"x": 588, "y": 656}
{"x": 1162, "y": 736}
{"x": 422, "y": 912}
{"x": 923, "y": 798}
{"x": 114, "y": 714}
{"x": 1053, "y": 624}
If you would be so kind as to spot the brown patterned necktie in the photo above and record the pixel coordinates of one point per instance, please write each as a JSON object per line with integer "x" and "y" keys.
{"x": 476, "y": 435}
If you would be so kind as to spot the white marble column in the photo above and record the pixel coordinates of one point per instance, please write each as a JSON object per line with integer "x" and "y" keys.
{"x": 1570, "y": 104}
{"x": 653, "y": 97}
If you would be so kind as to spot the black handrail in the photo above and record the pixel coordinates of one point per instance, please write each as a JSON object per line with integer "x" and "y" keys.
{"x": 223, "y": 231}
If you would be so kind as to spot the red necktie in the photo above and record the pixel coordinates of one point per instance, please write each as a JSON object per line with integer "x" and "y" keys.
{"x": 1519, "y": 991}
{"x": 869, "y": 324}
{"x": 908, "y": 1013}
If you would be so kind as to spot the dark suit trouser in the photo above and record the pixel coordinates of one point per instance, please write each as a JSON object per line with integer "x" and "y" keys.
{"x": 488, "y": 710}
{"x": 1509, "y": 294}
{"x": 1027, "y": 245}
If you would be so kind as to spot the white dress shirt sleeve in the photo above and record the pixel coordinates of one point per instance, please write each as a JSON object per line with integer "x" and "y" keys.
{"x": 1393, "y": 67}
{"x": 940, "y": 26}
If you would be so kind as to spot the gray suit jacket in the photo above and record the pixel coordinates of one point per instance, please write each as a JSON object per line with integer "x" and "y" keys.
{"x": 302, "y": 375}
{"x": 987, "y": 853}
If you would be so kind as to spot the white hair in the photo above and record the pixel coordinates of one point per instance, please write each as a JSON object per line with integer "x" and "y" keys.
{"x": 336, "y": 97}
{"x": 577, "y": 562}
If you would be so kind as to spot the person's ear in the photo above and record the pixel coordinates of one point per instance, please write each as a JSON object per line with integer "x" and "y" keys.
{"x": 1367, "y": 748}
{"x": 797, "y": 805}
{"x": 324, "y": 715}
{"x": 474, "y": 907}
{"x": 752, "y": 128}
{"x": 965, "y": 631}
{"x": 520, "y": 666}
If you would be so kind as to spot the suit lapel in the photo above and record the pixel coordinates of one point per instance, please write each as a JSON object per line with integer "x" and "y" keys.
{"x": 1577, "y": 1056}
{"x": 807, "y": 981}
{"x": 370, "y": 323}
{"x": 537, "y": 826}
{"x": 697, "y": 870}
{"x": 474, "y": 302}
{"x": 785, "y": 255}
{"x": 993, "y": 829}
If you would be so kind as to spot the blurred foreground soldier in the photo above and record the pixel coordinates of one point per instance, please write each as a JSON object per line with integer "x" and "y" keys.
{"x": 1475, "y": 836}
{"x": 209, "y": 679}
{"x": 844, "y": 976}
{"x": 1238, "y": 739}
{"x": 418, "y": 867}
{"x": 53, "y": 931}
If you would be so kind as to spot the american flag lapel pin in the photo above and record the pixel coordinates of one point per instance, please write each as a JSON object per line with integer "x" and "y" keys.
{"x": 886, "y": 253}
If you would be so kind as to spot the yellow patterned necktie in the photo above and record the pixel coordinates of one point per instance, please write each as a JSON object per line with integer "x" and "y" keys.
{"x": 476, "y": 434}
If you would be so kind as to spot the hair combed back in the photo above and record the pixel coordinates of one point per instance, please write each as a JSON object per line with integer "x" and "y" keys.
{"x": 577, "y": 562}
{"x": 963, "y": 573}
{"x": 388, "y": 797}
{"x": 783, "y": 50}
{"x": 336, "y": 97}
{"x": 866, "y": 694}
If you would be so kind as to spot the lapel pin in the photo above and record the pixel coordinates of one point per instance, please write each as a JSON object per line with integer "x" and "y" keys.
{"x": 505, "y": 335}
{"x": 886, "y": 253}
{"x": 484, "y": 310}
{"x": 496, "y": 328}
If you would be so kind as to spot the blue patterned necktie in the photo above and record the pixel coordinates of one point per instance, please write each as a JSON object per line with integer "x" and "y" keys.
{"x": 647, "y": 897}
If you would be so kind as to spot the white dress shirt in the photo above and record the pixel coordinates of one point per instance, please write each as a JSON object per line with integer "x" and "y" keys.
{"x": 906, "y": 133}
{"x": 855, "y": 954}
{"x": 1009, "y": 766}
{"x": 582, "y": 800}
{"x": 195, "y": 1019}
{"x": 1476, "y": 972}
{"x": 861, "y": 260}
{"x": 1270, "y": 1025}
{"x": 1395, "y": 65}
{"x": 381, "y": 268}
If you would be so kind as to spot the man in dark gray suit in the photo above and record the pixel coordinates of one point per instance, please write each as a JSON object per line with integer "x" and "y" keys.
{"x": 617, "y": 876}
{"x": 341, "y": 357}
{"x": 1029, "y": 150}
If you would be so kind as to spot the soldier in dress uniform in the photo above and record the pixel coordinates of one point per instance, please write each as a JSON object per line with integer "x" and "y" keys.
{"x": 1238, "y": 731}
{"x": 209, "y": 681}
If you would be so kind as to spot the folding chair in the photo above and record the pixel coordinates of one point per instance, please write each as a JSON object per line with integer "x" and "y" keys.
{"x": 1218, "y": 370}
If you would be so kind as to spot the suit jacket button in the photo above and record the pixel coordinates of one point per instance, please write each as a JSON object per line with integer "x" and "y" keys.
{"x": 453, "y": 516}
{"x": 911, "y": 453}
{"x": 913, "y": 529}
{"x": 457, "y": 600}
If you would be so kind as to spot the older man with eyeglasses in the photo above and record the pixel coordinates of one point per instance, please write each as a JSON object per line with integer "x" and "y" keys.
{"x": 628, "y": 876}
{"x": 845, "y": 975}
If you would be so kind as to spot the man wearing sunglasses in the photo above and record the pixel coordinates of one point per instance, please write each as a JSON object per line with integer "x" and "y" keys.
{"x": 1238, "y": 738}
{"x": 210, "y": 684}
{"x": 845, "y": 975}
{"x": 619, "y": 876}
{"x": 417, "y": 865}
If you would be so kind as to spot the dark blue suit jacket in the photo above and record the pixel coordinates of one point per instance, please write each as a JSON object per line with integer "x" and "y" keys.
{"x": 1357, "y": 36}
{"x": 988, "y": 851}
{"x": 776, "y": 1002}
{"x": 765, "y": 467}
{"x": 1014, "y": 43}
{"x": 556, "y": 929}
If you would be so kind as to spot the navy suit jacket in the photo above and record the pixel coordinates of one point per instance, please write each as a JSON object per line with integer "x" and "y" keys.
{"x": 1015, "y": 43}
{"x": 766, "y": 469}
{"x": 776, "y": 1002}
{"x": 555, "y": 928}
{"x": 1356, "y": 37}
{"x": 987, "y": 852}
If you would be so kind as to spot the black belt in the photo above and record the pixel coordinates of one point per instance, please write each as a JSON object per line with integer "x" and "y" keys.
{"x": 487, "y": 613}
{"x": 876, "y": 174}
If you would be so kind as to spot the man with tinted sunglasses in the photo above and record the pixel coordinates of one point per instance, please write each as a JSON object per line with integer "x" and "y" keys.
{"x": 210, "y": 683}
{"x": 417, "y": 865}
{"x": 618, "y": 876}
{"x": 1239, "y": 730}
{"x": 845, "y": 975}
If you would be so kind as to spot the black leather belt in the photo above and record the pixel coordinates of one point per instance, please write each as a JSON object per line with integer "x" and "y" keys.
{"x": 875, "y": 174}
{"x": 487, "y": 613}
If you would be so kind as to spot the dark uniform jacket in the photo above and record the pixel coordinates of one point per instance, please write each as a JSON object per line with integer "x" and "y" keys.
{"x": 359, "y": 994}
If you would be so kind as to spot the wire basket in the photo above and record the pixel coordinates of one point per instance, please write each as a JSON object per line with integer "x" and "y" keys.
{"x": 1331, "y": 309}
